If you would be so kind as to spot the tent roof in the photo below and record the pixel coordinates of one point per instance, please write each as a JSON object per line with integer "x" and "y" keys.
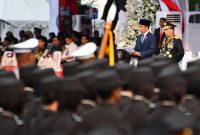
{"x": 29, "y": 12}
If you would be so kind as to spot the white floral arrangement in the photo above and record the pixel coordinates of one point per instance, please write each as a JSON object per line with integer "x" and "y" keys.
{"x": 136, "y": 10}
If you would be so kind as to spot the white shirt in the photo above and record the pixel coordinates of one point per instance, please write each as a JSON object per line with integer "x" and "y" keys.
{"x": 69, "y": 50}
{"x": 145, "y": 34}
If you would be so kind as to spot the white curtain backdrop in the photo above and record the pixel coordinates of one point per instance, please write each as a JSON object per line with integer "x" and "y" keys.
{"x": 24, "y": 15}
{"x": 54, "y": 11}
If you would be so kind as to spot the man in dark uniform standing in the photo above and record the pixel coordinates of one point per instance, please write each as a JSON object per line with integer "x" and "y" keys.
{"x": 172, "y": 46}
{"x": 106, "y": 114}
{"x": 160, "y": 35}
{"x": 142, "y": 85}
{"x": 12, "y": 101}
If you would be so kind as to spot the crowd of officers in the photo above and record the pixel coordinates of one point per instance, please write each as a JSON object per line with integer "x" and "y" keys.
{"x": 156, "y": 98}
{"x": 63, "y": 42}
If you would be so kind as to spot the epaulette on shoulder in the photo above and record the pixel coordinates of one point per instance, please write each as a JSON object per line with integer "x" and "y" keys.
{"x": 176, "y": 37}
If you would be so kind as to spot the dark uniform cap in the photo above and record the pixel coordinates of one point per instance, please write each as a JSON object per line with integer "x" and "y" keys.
{"x": 193, "y": 63}
{"x": 158, "y": 66}
{"x": 69, "y": 93}
{"x": 170, "y": 76}
{"x": 102, "y": 64}
{"x": 172, "y": 122}
{"x": 7, "y": 74}
{"x": 192, "y": 74}
{"x": 108, "y": 80}
{"x": 26, "y": 74}
{"x": 141, "y": 75}
{"x": 88, "y": 66}
{"x": 177, "y": 121}
{"x": 104, "y": 131}
{"x": 11, "y": 91}
{"x": 87, "y": 78}
{"x": 160, "y": 58}
{"x": 97, "y": 65}
{"x": 58, "y": 134}
{"x": 38, "y": 75}
{"x": 145, "y": 22}
{"x": 168, "y": 25}
{"x": 124, "y": 71}
{"x": 169, "y": 70}
{"x": 145, "y": 63}
{"x": 70, "y": 84}
{"x": 155, "y": 129}
{"x": 10, "y": 84}
{"x": 70, "y": 69}
{"x": 47, "y": 89}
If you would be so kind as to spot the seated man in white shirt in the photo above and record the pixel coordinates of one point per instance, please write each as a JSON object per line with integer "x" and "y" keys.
{"x": 69, "y": 48}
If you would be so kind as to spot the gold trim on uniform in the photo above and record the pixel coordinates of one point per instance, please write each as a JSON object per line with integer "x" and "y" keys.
{"x": 167, "y": 46}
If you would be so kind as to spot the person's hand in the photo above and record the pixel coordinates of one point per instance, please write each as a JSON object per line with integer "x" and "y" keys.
{"x": 66, "y": 58}
{"x": 137, "y": 54}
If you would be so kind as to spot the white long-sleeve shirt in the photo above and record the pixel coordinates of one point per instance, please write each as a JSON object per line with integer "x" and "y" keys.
{"x": 69, "y": 50}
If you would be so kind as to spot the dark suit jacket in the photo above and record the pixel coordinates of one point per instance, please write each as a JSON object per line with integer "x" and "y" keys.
{"x": 147, "y": 48}
{"x": 157, "y": 36}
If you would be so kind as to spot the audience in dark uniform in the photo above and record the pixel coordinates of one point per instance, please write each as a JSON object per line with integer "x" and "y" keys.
{"x": 92, "y": 98}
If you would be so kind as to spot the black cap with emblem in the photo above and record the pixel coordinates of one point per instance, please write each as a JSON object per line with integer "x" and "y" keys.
{"x": 70, "y": 69}
{"x": 87, "y": 79}
{"x": 145, "y": 22}
{"x": 172, "y": 84}
{"x": 124, "y": 71}
{"x": 69, "y": 93}
{"x": 168, "y": 25}
{"x": 192, "y": 76}
{"x": 26, "y": 74}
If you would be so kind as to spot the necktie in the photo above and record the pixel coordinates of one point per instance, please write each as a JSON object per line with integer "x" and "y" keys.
{"x": 142, "y": 38}
{"x": 159, "y": 46}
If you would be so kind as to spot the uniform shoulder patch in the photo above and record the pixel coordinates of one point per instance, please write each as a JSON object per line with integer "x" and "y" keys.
{"x": 176, "y": 37}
